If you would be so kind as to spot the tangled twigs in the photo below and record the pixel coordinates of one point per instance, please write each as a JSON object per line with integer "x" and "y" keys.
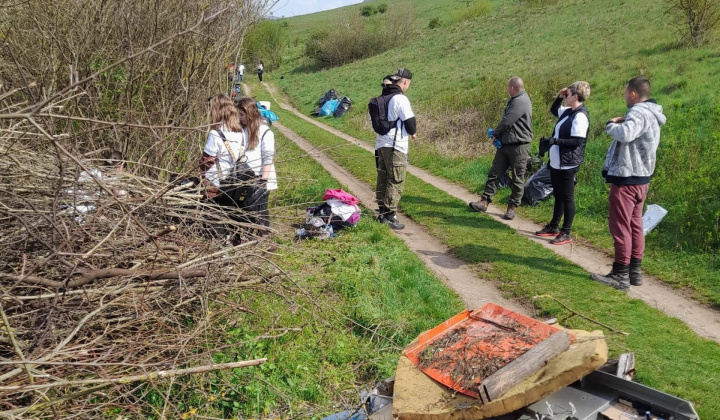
{"x": 100, "y": 384}
{"x": 89, "y": 276}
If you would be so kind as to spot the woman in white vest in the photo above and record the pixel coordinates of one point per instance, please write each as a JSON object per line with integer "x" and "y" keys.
{"x": 260, "y": 153}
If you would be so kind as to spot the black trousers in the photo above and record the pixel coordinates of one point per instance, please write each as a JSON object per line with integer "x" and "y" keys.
{"x": 563, "y": 183}
{"x": 257, "y": 212}
{"x": 260, "y": 75}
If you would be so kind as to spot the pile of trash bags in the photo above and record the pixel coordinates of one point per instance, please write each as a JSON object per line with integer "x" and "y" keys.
{"x": 331, "y": 104}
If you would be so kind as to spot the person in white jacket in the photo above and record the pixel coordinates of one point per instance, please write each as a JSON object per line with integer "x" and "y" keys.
{"x": 629, "y": 166}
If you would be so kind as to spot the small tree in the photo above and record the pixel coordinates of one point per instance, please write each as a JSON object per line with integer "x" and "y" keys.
{"x": 696, "y": 19}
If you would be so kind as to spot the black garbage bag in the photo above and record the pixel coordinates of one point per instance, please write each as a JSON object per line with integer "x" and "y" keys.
{"x": 343, "y": 107}
{"x": 538, "y": 187}
{"x": 330, "y": 94}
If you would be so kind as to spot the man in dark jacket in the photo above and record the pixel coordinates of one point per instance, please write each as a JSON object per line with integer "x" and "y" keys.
{"x": 629, "y": 165}
{"x": 512, "y": 137}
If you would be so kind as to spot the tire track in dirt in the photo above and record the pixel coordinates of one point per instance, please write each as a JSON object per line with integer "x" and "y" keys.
{"x": 700, "y": 318}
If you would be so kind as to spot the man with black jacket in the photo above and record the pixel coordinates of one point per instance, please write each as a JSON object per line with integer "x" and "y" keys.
{"x": 512, "y": 137}
{"x": 391, "y": 149}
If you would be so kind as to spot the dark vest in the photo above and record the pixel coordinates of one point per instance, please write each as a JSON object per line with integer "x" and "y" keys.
{"x": 572, "y": 155}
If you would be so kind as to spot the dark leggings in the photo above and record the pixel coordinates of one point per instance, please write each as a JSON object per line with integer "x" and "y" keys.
{"x": 260, "y": 75}
{"x": 563, "y": 183}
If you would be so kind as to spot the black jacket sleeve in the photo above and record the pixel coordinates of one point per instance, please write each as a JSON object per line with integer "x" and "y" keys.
{"x": 571, "y": 142}
{"x": 410, "y": 126}
{"x": 556, "y": 106}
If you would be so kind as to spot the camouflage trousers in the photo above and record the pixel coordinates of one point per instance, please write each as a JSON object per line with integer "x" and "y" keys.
{"x": 391, "y": 167}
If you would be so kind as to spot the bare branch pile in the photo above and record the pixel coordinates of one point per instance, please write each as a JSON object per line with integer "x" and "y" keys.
{"x": 112, "y": 278}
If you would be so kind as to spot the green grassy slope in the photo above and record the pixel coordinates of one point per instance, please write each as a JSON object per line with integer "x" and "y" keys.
{"x": 460, "y": 74}
{"x": 670, "y": 356}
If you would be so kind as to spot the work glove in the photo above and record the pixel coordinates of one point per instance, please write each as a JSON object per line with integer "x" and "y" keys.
{"x": 545, "y": 144}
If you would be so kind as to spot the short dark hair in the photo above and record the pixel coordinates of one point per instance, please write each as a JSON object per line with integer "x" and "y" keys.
{"x": 639, "y": 85}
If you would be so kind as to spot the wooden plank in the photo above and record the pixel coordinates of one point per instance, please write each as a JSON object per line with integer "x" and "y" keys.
{"x": 528, "y": 363}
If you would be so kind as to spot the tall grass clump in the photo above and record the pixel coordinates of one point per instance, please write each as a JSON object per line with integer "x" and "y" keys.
{"x": 474, "y": 10}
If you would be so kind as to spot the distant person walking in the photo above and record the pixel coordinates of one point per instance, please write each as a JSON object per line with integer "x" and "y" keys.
{"x": 240, "y": 72}
{"x": 567, "y": 153}
{"x": 391, "y": 149}
{"x": 260, "y": 69}
{"x": 512, "y": 137}
{"x": 629, "y": 165}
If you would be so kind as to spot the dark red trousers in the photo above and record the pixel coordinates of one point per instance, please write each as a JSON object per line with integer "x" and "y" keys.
{"x": 626, "y": 226}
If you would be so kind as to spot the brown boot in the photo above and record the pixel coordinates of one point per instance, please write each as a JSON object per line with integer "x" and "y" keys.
{"x": 510, "y": 213}
{"x": 479, "y": 206}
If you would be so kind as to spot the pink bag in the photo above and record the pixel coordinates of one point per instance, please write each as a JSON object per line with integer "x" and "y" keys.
{"x": 341, "y": 195}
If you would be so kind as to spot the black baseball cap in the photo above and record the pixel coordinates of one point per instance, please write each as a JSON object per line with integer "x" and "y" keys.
{"x": 403, "y": 73}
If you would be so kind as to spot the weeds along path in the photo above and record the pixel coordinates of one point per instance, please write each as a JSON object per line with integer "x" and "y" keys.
{"x": 700, "y": 318}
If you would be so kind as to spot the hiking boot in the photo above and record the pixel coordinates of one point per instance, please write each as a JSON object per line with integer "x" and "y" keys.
{"x": 635, "y": 271}
{"x": 618, "y": 278}
{"x": 547, "y": 231}
{"x": 479, "y": 206}
{"x": 393, "y": 222}
{"x": 510, "y": 213}
{"x": 561, "y": 238}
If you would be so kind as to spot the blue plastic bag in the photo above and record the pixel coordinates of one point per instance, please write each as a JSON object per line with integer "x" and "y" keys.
{"x": 329, "y": 107}
{"x": 267, "y": 114}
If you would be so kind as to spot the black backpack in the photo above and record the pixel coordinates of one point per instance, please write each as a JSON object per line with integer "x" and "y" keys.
{"x": 379, "y": 112}
{"x": 241, "y": 185}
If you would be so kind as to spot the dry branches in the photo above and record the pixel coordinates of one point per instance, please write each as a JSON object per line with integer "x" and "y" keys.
{"x": 110, "y": 278}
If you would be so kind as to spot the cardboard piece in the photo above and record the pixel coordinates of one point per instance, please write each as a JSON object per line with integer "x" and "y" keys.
{"x": 418, "y": 397}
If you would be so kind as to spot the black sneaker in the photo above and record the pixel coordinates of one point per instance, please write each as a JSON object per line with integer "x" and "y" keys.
{"x": 561, "y": 238}
{"x": 393, "y": 222}
{"x": 547, "y": 231}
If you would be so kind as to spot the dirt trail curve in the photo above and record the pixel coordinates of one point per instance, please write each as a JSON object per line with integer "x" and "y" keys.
{"x": 703, "y": 320}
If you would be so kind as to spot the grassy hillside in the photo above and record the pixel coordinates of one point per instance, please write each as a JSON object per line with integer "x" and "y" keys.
{"x": 458, "y": 91}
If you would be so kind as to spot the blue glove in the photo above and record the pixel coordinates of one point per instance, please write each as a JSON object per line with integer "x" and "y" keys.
{"x": 497, "y": 143}
{"x": 490, "y": 132}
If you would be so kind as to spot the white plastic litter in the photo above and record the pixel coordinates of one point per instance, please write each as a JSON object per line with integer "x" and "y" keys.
{"x": 653, "y": 215}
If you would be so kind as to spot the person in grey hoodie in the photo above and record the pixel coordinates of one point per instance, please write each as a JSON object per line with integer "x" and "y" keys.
{"x": 512, "y": 137}
{"x": 629, "y": 165}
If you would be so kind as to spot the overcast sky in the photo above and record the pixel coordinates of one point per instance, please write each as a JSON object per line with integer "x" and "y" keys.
{"x": 290, "y": 8}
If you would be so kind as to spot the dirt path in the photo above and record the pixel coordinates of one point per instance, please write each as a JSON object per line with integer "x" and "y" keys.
{"x": 700, "y": 318}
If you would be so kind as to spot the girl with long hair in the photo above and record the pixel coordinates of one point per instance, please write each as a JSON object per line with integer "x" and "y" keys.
{"x": 223, "y": 146}
{"x": 260, "y": 152}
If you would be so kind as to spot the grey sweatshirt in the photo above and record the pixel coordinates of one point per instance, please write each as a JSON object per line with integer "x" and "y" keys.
{"x": 631, "y": 157}
{"x": 516, "y": 124}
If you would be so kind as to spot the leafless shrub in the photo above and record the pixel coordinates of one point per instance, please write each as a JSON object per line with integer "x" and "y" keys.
{"x": 103, "y": 293}
{"x": 696, "y": 20}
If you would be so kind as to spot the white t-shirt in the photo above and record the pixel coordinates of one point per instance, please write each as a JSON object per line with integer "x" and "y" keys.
{"x": 398, "y": 109}
{"x": 241, "y": 70}
{"x": 263, "y": 154}
{"x": 579, "y": 128}
{"x": 261, "y": 67}
{"x": 216, "y": 147}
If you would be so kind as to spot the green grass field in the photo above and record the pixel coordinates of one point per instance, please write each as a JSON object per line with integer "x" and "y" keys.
{"x": 460, "y": 71}
{"x": 355, "y": 300}
{"x": 669, "y": 355}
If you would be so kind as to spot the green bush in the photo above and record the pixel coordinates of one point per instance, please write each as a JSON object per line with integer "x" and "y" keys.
{"x": 382, "y": 7}
{"x": 434, "y": 23}
{"x": 267, "y": 41}
{"x": 474, "y": 10}
{"x": 353, "y": 40}
{"x": 368, "y": 10}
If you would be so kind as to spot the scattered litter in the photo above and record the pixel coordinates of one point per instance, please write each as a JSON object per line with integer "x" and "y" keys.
{"x": 653, "y": 215}
{"x": 340, "y": 210}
